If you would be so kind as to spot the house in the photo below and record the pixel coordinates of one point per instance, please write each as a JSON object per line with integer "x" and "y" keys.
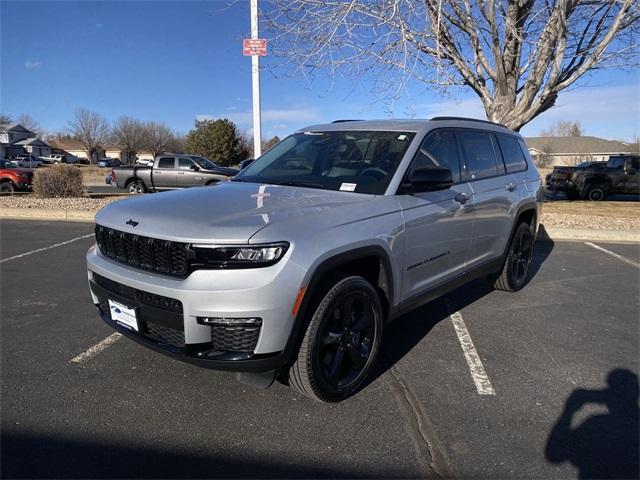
{"x": 18, "y": 140}
{"x": 550, "y": 151}
{"x": 73, "y": 147}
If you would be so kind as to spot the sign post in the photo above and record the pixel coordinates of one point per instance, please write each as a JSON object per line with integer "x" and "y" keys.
{"x": 255, "y": 47}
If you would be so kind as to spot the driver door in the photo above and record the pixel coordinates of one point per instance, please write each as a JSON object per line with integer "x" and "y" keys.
{"x": 186, "y": 175}
{"x": 438, "y": 224}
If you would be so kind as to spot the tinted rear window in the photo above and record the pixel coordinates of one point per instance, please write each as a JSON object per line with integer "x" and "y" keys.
{"x": 512, "y": 154}
{"x": 166, "y": 162}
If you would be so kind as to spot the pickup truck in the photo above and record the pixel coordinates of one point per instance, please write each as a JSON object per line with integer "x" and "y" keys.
{"x": 619, "y": 175}
{"x": 59, "y": 158}
{"x": 170, "y": 172}
{"x": 14, "y": 178}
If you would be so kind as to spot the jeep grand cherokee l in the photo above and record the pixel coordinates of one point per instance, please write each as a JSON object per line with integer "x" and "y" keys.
{"x": 292, "y": 269}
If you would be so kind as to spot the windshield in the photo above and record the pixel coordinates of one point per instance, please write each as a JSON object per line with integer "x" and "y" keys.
{"x": 204, "y": 162}
{"x": 6, "y": 164}
{"x": 351, "y": 161}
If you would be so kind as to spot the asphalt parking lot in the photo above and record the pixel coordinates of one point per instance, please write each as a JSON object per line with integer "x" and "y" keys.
{"x": 555, "y": 394}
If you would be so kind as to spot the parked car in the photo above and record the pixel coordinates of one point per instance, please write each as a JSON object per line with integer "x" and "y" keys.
{"x": 59, "y": 158}
{"x": 171, "y": 172}
{"x": 108, "y": 162}
{"x": 596, "y": 181}
{"x": 27, "y": 161}
{"x": 143, "y": 162}
{"x": 14, "y": 178}
{"x": 293, "y": 268}
{"x": 83, "y": 161}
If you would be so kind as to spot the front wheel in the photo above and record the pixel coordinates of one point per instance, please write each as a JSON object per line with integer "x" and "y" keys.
{"x": 341, "y": 342}
{"x": 7, "y": 187}
{"x": 595, "y": 193}
{"x": 515, "y": 271}
{"x": 136, "y": 187}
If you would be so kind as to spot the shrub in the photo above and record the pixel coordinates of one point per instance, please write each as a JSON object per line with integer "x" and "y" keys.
{"x": 58, "y": 181}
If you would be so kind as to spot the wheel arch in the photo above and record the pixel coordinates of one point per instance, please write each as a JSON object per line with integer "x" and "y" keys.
{"x": 528, "y": 212}
{"x": 371, "y": 262}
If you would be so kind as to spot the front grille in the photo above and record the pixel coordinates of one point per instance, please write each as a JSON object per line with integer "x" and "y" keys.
{"x": 164, "y": 334}
{"x": 148, "y": 253}
{"x": 146, "y": 298}
{"x": 231, "y": 338}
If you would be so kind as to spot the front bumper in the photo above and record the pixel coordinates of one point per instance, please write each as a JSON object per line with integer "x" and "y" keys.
{"x": 266, "y": 293}
{"x": 561, "y": 185}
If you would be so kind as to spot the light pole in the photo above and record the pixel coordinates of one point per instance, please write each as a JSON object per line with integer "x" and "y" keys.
{"x": 255, "y": 82}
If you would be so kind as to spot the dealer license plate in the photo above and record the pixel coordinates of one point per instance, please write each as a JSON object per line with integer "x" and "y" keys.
{"x": 124, "y": 315}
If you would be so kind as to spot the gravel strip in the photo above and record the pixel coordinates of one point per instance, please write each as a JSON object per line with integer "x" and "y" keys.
{"x": 592, "y": 222}
{"x": 81, "y": 203}
{"x": 551, "y": 220}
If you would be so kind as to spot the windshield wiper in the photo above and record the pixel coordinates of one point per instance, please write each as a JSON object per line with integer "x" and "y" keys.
{"x": 295, "y": 183}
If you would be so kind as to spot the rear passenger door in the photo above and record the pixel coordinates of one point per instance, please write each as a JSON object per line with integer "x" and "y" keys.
{"x": 438, "y": 224}
{"x": 164, "y": 173}
{"x": 494, "y": 195}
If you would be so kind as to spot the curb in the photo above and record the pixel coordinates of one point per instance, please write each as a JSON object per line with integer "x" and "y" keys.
{"x": 544, "y": 233}
{"x": 46, "y": 214}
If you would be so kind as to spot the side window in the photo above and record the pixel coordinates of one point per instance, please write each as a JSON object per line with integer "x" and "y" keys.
{"x": 635, "y": 163}
{"x": 615, "y": 162}
{"x": 512, "y": 154}
{"x": 166, "y": 162}
{"x": 184, "y": 163}
{"x": 479, "y": 155}
{"x": 438, "y": 149}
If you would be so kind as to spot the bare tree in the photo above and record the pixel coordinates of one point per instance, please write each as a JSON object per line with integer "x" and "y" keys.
{"x": 130, "y": 134}
{"x": 30, "y": 124}
{"x": 563, "y": 129}
{"x": 90, "y": 129}
{"x": 516, "y": 55}
{"x": 5, "y": 121}
{"x": 158, "y": 138}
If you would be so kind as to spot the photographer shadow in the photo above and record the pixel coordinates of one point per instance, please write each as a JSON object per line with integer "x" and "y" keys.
{"x": 603, "y": 445}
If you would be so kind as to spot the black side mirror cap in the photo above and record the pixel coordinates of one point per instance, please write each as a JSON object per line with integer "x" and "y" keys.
{"x": 195, "y": 168}
{"x": 428, "y": 180}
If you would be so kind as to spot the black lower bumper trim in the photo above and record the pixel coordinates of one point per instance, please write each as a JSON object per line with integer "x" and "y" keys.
{"x": 201, "y": 355}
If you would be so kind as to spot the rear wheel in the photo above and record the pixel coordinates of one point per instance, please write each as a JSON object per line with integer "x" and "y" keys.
{"x": 136, "y": 187}
{"x": 515, "y": 271}
{"x": 341, "y": 342}
{"x": 595, "y": 193}
{"x": 7, "y": 187}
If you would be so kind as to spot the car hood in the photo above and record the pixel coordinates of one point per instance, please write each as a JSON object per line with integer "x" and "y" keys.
{"x": 19, "y": 170}
{"x": 229, "y": 212}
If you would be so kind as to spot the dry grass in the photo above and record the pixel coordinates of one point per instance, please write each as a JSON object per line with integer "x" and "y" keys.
{"x": 58, "y": 181}
{"x": 93, "y": 174}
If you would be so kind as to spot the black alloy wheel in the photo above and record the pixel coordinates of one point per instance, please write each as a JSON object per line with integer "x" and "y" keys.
{"x": 515, "y": 270}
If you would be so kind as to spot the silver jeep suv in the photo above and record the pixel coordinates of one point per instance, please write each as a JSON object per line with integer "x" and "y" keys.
{"x": 292, "y": 269}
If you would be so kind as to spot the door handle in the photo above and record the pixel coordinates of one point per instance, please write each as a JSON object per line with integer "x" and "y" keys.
{"x": 180, "y": 173}
{"x": 461, "y": 198}
{"x": 511, "y": 186}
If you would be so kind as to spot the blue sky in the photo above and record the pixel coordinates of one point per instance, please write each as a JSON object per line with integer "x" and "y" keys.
{"x": 175, "y": 61}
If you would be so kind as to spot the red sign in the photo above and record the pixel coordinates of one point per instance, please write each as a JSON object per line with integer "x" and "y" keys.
{"x": 254, "y": 46}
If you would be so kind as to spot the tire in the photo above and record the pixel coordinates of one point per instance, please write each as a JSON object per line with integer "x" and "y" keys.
{"x": 515, "y": 271}
{"x": 136, "y": 187}
{"x": 7, "y": 187}
{"x": 595, "y": 193}
{"x": 341, "y": 342}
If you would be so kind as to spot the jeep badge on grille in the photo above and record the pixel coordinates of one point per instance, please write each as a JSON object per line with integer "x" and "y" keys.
{"x": 132, "y": 223}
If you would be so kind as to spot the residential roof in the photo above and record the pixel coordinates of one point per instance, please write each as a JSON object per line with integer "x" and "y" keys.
{"x": 34, "y": 142}
{"x": 66, "y": 144}
{"x": 577, "y": 145}
{"x": 17, "y": 127}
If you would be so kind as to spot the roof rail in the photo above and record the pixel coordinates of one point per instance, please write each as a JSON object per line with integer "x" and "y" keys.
{"x": 347, "y": 120}
{"x": 468, "y": 120}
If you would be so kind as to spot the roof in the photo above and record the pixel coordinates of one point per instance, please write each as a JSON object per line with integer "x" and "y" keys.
{"x": 405, "y": 125}
{"x": 66, "y": 144}
{"x": 35, "y": 142}
{"x": 577, "y": 145}
{"x": 17, "y": 127}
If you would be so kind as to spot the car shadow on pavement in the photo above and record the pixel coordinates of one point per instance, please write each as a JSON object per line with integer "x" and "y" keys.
{"x": 404, "y": 333}
{"x": 602, "y": 445}
{"x": 29, "y": 455}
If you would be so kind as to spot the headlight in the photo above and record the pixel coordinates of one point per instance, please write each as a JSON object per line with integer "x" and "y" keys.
{"x": 254, "y": 256}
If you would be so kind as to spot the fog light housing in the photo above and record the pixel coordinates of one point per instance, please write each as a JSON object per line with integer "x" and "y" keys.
{"x": 230, "y": 322}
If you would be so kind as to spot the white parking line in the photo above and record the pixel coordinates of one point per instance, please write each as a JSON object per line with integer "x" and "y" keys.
{"x": 96, "y": 349}
{"x": 613, "y": 254}
{"x": 478, "y": 373}
{"x": 15, "y": 257}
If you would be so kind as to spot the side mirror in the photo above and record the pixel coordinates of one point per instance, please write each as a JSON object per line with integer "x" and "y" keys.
{"x": 195, "y": 167}
{"x": 428, "y": 180}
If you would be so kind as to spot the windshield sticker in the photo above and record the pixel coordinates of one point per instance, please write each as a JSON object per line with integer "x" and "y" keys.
{"x": 402, "y": 137}
{"x": 348, "y": 187}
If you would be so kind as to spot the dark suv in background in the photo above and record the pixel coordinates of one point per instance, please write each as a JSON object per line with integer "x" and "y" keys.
{"x": 618, "y": 176}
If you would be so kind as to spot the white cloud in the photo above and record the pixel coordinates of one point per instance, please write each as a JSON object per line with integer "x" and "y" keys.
{"x": 31, "y": 65}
